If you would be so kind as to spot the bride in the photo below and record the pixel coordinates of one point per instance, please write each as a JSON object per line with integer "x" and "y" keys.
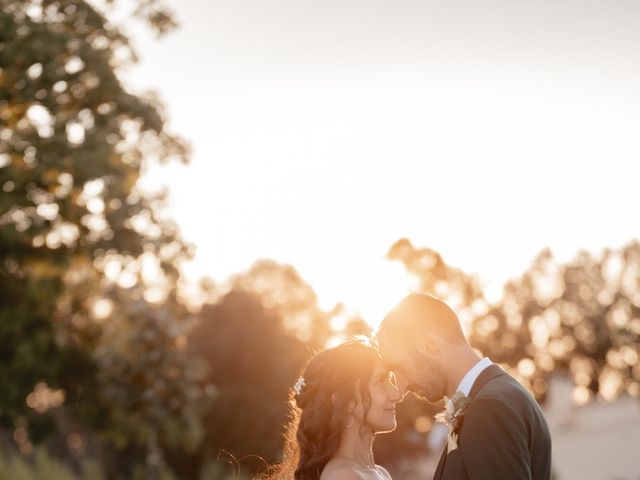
{"x": 343, "y": 399}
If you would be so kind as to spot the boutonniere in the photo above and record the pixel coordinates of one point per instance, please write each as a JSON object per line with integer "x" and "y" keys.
{"x": 456, "y": 406}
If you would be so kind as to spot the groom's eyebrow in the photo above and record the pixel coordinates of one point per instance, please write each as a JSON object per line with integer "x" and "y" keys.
{"x": 392, "y": 366}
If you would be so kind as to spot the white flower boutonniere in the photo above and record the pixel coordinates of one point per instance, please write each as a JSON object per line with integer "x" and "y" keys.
{"x": 456, "y": 407}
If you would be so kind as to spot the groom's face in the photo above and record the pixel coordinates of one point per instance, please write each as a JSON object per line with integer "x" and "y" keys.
{"x": 415, "y": 369}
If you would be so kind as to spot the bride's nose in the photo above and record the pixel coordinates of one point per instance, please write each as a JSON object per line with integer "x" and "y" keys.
{"x": 401, "y": 385}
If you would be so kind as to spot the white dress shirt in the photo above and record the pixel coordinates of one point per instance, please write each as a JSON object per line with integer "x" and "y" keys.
{"x": 466, "y": 384}
{"x": 472, "y": 375}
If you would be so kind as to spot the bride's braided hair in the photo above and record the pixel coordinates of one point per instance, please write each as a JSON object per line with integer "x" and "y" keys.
{"x": 321, "y": 406}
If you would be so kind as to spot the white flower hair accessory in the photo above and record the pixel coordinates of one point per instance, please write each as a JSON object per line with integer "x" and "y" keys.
{"x": 298, "y": 386}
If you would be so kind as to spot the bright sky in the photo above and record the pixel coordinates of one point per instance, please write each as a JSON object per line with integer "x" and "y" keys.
{"x": 323, "y": 131}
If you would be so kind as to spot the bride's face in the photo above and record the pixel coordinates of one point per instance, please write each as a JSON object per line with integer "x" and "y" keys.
{"x": 381, "y": 416}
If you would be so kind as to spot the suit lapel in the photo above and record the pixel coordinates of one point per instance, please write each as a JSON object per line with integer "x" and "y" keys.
{"x": 487, "y": 374}
{"x": 440, "y": 467}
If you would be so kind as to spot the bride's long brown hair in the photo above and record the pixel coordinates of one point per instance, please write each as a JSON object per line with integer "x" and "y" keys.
{"x": 322, "y": 408}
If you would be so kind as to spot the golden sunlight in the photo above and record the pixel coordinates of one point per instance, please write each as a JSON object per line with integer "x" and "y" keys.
{"x": 370, "y": 291}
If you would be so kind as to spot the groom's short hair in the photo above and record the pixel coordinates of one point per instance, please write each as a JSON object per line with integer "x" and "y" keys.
{"x": 417, "y": 313}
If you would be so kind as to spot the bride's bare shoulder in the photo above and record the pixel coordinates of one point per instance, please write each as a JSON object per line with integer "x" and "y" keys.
{"x": 339, "y": 470}
{"x": 383, "y": 472}
{"x": 340, "y": 474}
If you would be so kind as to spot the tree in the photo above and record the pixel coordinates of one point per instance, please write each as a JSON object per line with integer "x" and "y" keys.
{"x": 256, "y": 340}
{"x": 154, "y": 390}
{"x": 74, "y": 228}
{"x": 281, "y": 289}
{"x": 582, "y": 317}
{"x": 461, "y": 291}
{"x": 253, "y": 361}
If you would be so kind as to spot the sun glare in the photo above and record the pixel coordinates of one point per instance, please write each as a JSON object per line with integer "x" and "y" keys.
{"x": 369, "y": 292}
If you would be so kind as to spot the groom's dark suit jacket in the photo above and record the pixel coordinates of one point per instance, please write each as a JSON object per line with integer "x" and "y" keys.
{"x": 502, "y": 436}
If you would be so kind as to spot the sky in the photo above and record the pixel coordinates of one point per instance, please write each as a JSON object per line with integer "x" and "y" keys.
{"x": 324, "y": 131}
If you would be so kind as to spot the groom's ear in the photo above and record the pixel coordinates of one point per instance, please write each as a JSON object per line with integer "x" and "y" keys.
{"x": 428, "y": 344}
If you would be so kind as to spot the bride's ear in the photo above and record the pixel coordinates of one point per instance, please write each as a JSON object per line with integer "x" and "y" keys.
{"x": 352, "y": 404}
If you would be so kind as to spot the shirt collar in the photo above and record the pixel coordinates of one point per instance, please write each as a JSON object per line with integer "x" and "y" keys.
{"x": 469, "y": 379}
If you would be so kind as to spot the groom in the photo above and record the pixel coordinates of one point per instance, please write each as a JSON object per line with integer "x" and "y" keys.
{"x": 496, "y": 429}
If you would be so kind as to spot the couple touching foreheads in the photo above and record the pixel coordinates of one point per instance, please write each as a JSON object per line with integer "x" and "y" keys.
{"x": 348, "y": 394}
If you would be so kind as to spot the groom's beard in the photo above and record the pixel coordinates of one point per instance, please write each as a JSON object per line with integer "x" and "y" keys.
{"x": 432, "y": 383}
